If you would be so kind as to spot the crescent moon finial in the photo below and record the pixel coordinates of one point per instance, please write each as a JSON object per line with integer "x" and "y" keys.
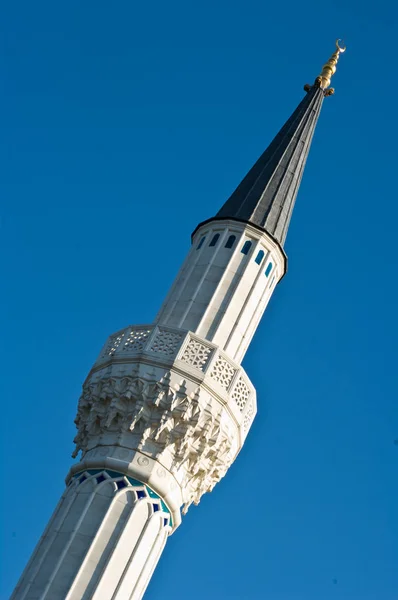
{"x": 339, "y": 47}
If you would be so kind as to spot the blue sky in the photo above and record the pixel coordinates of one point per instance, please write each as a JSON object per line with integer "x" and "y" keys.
{"x": 124, "y": 125}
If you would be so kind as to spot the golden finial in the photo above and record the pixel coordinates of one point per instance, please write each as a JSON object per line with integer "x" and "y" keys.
{"x": 328, "y": 70}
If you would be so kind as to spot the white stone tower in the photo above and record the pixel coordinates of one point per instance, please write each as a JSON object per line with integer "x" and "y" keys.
{"x": 166, "y": 407}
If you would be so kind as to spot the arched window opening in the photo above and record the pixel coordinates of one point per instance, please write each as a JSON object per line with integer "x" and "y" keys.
{"x": 215, "y": 239}
{"x": 246, "y": 247}
{"x": 230, "y": 241}
{"x": 201, "y": 243}
{"x": 268, "y": 269}
{"x": 259, "y": 257}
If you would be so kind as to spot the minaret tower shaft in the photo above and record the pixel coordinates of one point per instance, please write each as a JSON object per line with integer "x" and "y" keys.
{"x": 166, "y": 407}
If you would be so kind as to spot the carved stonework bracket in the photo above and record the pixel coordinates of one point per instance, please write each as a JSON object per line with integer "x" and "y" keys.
{"x": 161, "y": 419}
{"x": 172, "y": 396}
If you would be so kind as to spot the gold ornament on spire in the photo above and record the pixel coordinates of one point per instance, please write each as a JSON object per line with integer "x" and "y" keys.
{"x": 328, "y": 70}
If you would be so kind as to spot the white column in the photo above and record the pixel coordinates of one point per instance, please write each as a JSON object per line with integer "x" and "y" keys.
{"x": 102, "y": 542}
{"x": 224, "y": 285}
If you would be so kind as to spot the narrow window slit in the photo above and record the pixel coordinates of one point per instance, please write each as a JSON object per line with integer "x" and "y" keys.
{"x": 214, "y": 240}
{"x": 246, "y": 247}
{"x": 201, "y": 243}
{"x": 230, "y": 241}
{"x": 268, "y": 269}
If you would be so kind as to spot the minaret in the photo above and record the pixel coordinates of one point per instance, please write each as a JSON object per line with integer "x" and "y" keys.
{"x": 166, "y": 407}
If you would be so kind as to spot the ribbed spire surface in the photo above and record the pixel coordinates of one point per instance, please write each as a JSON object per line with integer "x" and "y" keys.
{"x": 267, "y": 194}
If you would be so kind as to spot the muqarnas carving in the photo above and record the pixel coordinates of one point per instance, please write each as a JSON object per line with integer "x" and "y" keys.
{"x": 163, "y": 421}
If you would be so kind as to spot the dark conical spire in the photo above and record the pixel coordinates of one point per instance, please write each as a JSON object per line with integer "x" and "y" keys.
{"x": 266, "y": 196}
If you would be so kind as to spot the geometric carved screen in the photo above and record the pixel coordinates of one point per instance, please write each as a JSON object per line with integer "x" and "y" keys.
{"x": 197, "y": 354}
{"x": 223, "y": 372}
{"x": 166, "y": 342}
{"x": 113, "y": 344}
{"x": 241, "y": 394}
{"x": 136, "y": 339}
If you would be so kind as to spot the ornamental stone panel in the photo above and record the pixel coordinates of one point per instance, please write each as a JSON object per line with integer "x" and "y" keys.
{"x": 135, "y": 340}
{"x": 166, "y": 342}
{"x": 197, "y": 354}
{"x": 223, "y": 372}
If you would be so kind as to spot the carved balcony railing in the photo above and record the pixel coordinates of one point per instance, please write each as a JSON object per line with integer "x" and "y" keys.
{"x": 189, "y": 352}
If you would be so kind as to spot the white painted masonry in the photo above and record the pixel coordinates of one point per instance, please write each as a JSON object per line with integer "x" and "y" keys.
{"x": 221, "y": 293}
{"x": 101, "y": 543}
{"x": 163, "y": 414}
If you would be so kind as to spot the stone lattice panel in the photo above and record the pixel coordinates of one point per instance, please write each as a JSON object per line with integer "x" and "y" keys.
{"x": 248, "y": 418}
{"x": 113, "y": 344}
{"x": 166, "y": 342}
{"x": 223, "y": 372}
{"x": 241, "y": 394}
{"x": 135, "y": 340}
{"x": 197, "y": 354}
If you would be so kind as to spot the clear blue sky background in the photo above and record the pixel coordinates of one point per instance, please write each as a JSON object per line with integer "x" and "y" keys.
{"x": 125, "y": 124}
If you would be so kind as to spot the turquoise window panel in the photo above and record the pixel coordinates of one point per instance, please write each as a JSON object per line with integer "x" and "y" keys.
{"x": 246, "y": 247}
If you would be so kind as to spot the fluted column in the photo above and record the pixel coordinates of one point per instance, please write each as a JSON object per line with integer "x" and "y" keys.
{"x": 103, "y": 541}
{"x": 225, "y": 284}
